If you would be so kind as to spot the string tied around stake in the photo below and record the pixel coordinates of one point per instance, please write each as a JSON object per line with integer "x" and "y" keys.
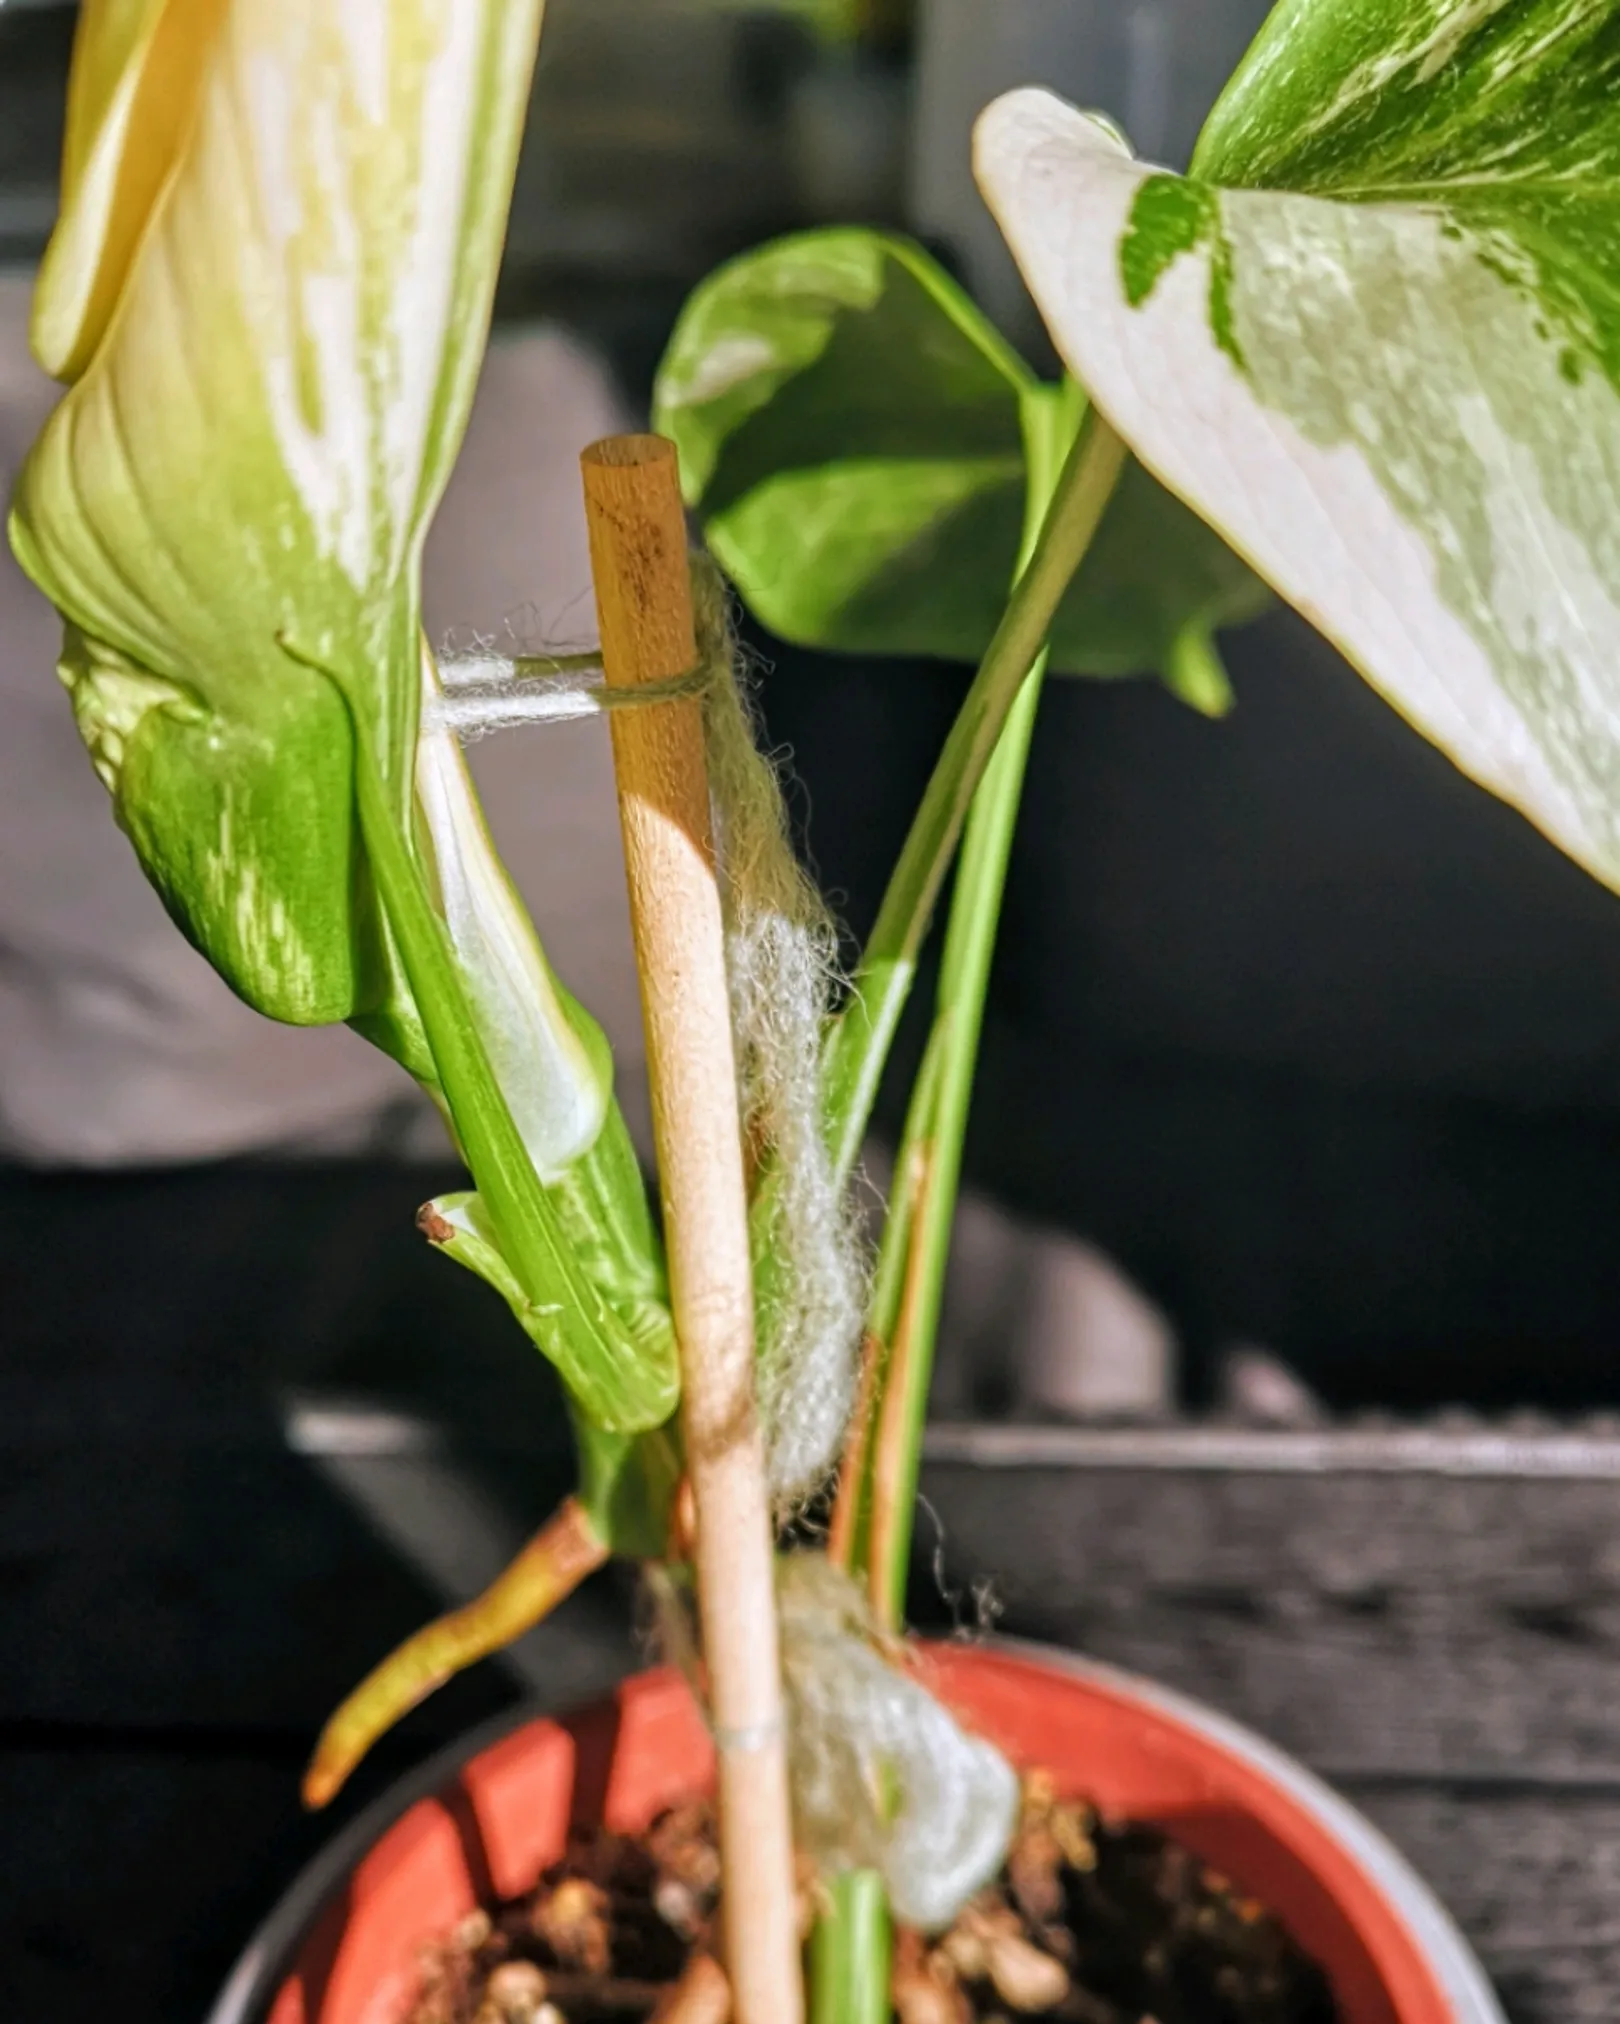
{"x": 484, "y": 692}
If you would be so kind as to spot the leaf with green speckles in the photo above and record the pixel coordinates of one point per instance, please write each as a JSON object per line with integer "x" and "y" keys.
{"x": 852, "y": 432}
{"x": 1375, "y": 340}
{"x": 268, "y": 291}
{"x": 207, "y": 800}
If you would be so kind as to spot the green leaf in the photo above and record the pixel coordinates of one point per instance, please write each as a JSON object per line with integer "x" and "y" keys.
{"x": 1376, "y": 341}
{"x": 270, "y": 288}
{"x": 242, "y": 823}
{"x": 1154, "y": 588}
{"x": 853, "y": 432}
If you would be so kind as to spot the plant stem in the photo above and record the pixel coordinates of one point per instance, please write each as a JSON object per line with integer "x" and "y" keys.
{"x": 933, "y": 1137}
{"x": 874, "y": 1512}
{"x": 930, "y": 1156}
{"x": 643, "y": 593}
{"x": 552, "y": 1565}
{"x": 850, "y": 1953}
{"x": 859, "y": 1045}
{"x": 877, "y": 1495}
{"x": 849, "y": 1534}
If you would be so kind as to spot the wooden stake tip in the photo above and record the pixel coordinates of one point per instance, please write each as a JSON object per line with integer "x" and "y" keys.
{"x": 629, "y": 453}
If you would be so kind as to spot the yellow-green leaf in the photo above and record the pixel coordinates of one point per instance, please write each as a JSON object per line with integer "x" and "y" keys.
{"x": 273, "y": 281}
{"x": 137, "y": 68}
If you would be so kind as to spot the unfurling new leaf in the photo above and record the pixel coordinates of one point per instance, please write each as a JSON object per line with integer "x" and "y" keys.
{"x": 268, "y": 290}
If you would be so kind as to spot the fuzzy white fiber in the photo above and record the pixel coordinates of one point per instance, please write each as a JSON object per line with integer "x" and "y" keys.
{"x": 782, "y": 959}
{"x": 884, "y": 1777}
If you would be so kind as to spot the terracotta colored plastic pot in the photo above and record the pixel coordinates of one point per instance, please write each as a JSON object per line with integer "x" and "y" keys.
{"x": 485, "y": 1820}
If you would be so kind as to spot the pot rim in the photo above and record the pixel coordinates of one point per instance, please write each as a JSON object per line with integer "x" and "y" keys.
{"x": 244, "y": 1998}
{"x": 1436, "y": 1932}
{"x": 246, "y": 1994}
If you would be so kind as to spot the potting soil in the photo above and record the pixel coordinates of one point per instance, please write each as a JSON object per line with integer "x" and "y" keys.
{"x": 1092, "y": 1921}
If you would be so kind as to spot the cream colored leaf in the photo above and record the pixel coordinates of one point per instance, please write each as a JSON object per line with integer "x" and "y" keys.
{"x": 253, "y": 451}
{"x": 1385, "y": 410}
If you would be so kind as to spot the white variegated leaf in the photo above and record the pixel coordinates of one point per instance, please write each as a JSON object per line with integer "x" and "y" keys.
{"x": 1390, "y": 382}
{"x": 267, "y": 420}
{"x": 137, "y": 65}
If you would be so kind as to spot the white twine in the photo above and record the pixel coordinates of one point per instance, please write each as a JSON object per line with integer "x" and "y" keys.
{"x": 484, "y": 692}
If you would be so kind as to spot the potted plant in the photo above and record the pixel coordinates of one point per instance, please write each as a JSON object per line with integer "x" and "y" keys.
{"x": 1364, "y": 354}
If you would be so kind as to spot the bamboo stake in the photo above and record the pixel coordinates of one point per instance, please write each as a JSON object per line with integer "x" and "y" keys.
{"x": 644, "y": 605}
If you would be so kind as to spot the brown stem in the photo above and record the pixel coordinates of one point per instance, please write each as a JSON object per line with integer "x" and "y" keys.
{"x": 889, "y": 1473}
{"x": 844, "y": 1526}
{"x": 553, "y": 1564}
{"x": 644, "y": 605}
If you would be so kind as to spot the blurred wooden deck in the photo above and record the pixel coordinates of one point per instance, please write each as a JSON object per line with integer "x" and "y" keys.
{"x": 238, "y": 1461}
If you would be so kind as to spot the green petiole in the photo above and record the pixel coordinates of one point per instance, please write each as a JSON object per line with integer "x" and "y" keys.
{"x": 850, "y": 1953}
{"x": 860, "y": 1042}
{"x": 599, "y": 1358}
{"x": 976, "y": 791}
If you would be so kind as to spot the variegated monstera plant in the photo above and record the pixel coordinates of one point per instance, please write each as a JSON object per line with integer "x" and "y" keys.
{"x": 1366, "y": 356}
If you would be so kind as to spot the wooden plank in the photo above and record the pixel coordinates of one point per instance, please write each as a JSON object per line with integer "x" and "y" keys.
{"x": 1533, "y": 1879}
{"x": 1369, "y": 1623}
